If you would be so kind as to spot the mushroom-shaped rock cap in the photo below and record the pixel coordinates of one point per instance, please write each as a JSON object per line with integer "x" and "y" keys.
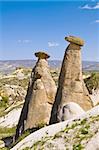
{"x": 75, "y": 40}
{"x": 42, "y": 55}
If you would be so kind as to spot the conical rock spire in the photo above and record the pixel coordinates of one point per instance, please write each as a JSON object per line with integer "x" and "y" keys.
{"x": 71, "y": 87}
{"x": 40, "y": 96}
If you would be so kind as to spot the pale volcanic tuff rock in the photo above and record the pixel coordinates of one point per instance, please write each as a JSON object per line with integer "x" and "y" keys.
{"x": 69, "y": 111}
{"x": 40, "y": 96}
{"x": 93, "y": 143}
{"x": 13, "y": 92}
{"x": 11, "y": 118}
{"x": 2, "y": 144}
{"x": 80, "y": 132}
{"x": 71, "y": 87}
{"x": 95, "y": 97}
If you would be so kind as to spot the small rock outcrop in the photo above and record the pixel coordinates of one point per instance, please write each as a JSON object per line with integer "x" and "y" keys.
{"x": 13, "y": 93}
{"x": 10, "y": 120}
{"x": 69, "y": 111}
{"x": 95, "y": 97}
{"x": 40, "y": 96}
{"x": 71, "y": 87}
{"x": 2, "y": 144}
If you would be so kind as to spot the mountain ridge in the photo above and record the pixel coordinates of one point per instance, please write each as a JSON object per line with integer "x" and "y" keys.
{"x": 6, "y": 66}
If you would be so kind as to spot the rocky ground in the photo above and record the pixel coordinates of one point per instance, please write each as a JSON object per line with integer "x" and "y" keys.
{"x": 13, "y": 89}
{"x": 77, "y": 134}
{"x": 9, "y": 120}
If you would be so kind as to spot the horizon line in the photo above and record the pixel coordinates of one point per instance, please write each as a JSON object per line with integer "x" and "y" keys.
{"x": 36, "y": 60}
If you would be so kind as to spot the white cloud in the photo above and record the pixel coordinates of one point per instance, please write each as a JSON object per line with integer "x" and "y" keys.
{"x": 24, "y": 41}
{"x": 90, "y": 7}
{"x": 97, "y": 21}
{"x": 85, "y": 7}
{"x": 19, "y": 41}
{"x": 53, "y": 44}
{"x": 97, "y": 6}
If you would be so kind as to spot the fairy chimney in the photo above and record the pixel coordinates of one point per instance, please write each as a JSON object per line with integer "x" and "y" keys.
{"x": 40, "y": 96}
{"x": 71, "y": 87}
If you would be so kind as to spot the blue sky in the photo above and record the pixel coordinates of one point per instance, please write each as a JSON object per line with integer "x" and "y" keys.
{"x": 29, "y": 26}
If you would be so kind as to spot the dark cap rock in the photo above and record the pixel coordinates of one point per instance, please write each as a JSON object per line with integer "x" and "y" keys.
{"x": 75, "y": 40}
{"x": 42, "y": 55}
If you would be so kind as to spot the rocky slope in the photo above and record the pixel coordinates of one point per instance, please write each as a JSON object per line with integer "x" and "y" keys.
{"x": 11, "y": 119}
{"x": 13, "y": 86}
{"x": 79, "y": 133}
{"x": 13, "y": 90}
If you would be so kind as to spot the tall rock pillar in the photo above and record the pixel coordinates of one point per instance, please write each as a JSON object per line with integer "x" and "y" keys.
{"x": 40, "y": 96}
{"x": 71, "y": 87}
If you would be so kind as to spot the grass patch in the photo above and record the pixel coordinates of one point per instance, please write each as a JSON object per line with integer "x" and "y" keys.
{"x": 2, "y": 112}
{"x": 78, "y": 147}
{"x": 27, "y": 148}
{"x": 4, "y": 102}
{"x": 4, "y": 148}
{"x": 41, "y": 143}
{"x": 6, "y": 132}
{"x": 85, "y": 129}
{"x": 81, "y": 129}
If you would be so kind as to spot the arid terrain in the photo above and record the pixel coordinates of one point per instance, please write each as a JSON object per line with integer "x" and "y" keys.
{"x": 13, "y": 89}
{"x": 49, "y": 75}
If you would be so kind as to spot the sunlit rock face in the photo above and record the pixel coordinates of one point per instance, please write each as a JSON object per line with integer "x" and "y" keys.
{"x": 69, "y": 111}
{"x": 71, "y": 87}
{"x": 40, "y": 96}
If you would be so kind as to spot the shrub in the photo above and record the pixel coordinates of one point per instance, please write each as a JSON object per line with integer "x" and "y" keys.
{"x": 4, "y": 101}
{"x": 78, "y": 147}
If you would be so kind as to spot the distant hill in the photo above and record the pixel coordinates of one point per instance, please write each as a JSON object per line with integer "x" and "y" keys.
{"x": 9, "y": 65}
{"x": 90, "y": 66}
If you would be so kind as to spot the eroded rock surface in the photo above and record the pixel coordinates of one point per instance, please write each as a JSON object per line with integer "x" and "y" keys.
{"x": 40, "y": 96}
{"x": 71, "y": 87}
{"x": 69, "y": 111}
{"x": 95, "y": 97}
{"x": 78, "y": 133}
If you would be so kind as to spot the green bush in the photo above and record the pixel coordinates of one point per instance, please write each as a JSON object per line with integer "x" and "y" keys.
{"x": 77, "y": 147}
{"x": 4, "y": 101}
